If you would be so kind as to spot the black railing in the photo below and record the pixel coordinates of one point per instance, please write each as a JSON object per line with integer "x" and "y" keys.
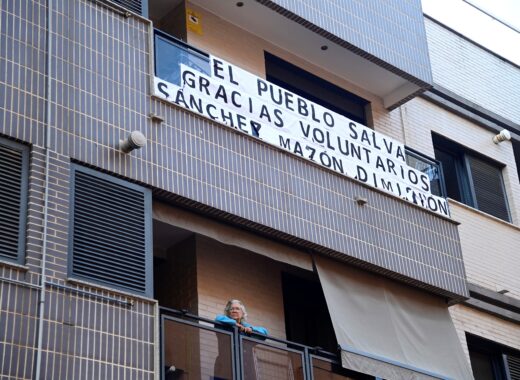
{"x": 429, "y": 166}
{"x": 171, "y": 52}
{"x": 198, "y": 348}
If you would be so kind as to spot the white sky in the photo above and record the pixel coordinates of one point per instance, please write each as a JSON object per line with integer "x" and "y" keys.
{"x": 478, "y": 26}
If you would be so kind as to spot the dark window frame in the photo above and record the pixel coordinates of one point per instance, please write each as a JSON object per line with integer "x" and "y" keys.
{"x": 147, "y": 236}
{"x": 462, "y": 156}
{"x": 24, "y": 200}
{"x": 498, "y": 355}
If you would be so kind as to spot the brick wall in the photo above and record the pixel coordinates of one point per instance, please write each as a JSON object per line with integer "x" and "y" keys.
{"x": 491, "y": 250}
{"x": 482, "y": 324}
{"x": 226, "y": 272}
{"x": 473, "y": 73}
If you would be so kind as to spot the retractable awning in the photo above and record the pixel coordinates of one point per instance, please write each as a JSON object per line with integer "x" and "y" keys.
{"x": 390, "y": 330}
{"x": 231, "y": 235}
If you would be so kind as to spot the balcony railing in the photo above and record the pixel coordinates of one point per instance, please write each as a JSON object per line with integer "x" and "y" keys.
{"x": 429, "y": 166}
{"x": 197, "y": 348}
{"x": 170, "y": 53}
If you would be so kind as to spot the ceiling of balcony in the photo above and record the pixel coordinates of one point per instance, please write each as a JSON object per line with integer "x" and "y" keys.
{"x": 300, "y": 41}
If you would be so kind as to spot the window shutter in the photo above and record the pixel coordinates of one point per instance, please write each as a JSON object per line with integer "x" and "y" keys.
{"x": 489, "y": 188}
{"x": 513, "y": 365}
{"x": 137, "y": 6}
{"x": 111, "y": 231}
{"x": 13, "y": 198}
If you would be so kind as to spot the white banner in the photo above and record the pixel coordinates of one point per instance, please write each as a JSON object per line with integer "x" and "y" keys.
{"x": 241, "y": 100}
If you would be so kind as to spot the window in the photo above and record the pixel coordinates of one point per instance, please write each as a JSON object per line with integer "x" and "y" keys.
{"x": 110, "y": 231}
{"x": 14, "y": 173}
{"x": 471, "y": 178}
{"x": 315, "y": 89}
{"x": 492, "y": 361}
{"x": 432, "y": 168}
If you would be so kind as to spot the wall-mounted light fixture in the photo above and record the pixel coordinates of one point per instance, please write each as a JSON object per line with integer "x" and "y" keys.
{"x": 504, "y": 135}
{"x": 135, "y": 140}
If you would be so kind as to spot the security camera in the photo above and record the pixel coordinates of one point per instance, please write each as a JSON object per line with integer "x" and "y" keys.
{"x": 135, "y": 140}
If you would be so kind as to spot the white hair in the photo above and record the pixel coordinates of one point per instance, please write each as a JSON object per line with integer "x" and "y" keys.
{"x": 227, "y": 309}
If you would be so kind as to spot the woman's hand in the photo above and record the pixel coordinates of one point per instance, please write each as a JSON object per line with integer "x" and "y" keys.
{"x": 244, "y": 329}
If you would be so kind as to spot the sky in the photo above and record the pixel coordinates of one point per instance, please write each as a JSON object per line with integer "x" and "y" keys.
{"x": 494, "y": 24}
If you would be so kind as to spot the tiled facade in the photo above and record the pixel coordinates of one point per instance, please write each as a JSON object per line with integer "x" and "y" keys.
{"x": 100, "y": 90}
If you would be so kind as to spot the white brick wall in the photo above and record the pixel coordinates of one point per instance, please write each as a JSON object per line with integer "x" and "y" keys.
{"x": 482, "y": 324}
{"x": 491, "y": 250}
{"x": 473, "y": 73}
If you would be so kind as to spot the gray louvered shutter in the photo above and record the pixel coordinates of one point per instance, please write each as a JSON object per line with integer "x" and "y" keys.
{"x": 489, "y": 188}
{"x": 513, "y": 366}
{"x": 14, "y": 160}
{"x": 137, "y": 6}
{"x": 111, "y": 231}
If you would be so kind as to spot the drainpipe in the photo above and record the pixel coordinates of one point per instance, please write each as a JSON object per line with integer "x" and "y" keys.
{"x": 47, "y": 146}
{"x": 404, "y": 121}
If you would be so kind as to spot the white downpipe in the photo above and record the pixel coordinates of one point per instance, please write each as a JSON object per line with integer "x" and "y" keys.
{"x": 43, "y": 277}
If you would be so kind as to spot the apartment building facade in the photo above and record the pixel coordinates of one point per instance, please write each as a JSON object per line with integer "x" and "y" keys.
{"x": 331, "y": 164}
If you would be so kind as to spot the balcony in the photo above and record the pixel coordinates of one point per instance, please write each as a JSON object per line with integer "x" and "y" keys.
{"x": 197, "y": 348}
{"x": 316, "y": 195}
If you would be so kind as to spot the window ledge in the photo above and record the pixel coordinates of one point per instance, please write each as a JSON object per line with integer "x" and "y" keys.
{"x": 482, "y": 213}
{"x": 116, "y": 292}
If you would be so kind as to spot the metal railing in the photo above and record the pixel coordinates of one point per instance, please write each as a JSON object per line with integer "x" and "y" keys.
{"x": 198, "y": 348}
{"x": 429, "y": 166}
{"x": 171, "y": 52}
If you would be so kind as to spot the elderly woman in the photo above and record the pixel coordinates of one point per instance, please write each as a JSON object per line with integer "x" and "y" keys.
{"x": 235, "y": 315}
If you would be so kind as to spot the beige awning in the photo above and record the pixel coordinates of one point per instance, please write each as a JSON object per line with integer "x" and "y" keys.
{"x": 390, "y": 330}
{"x": 231, "y": 236}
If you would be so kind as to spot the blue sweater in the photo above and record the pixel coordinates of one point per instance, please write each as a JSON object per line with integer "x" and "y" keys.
{"x": 229, "y": 321}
